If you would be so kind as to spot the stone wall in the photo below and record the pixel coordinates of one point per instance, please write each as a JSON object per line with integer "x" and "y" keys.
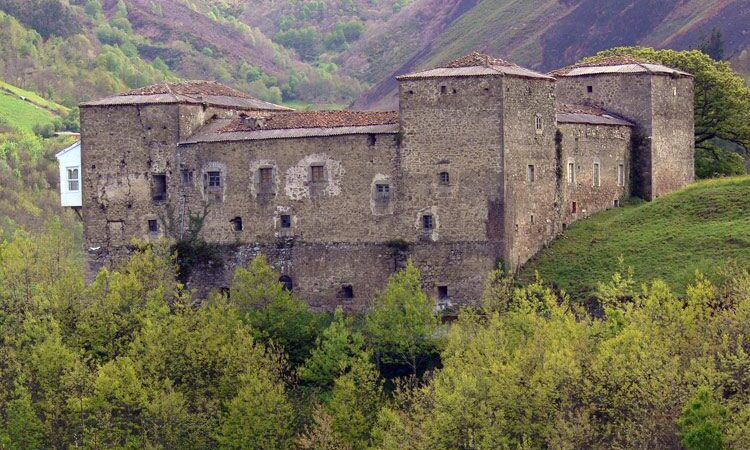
{"x": 530, "y": 198}
{"x": 584, "y": 145}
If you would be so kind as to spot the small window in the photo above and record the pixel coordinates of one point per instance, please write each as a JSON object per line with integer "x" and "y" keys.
{"x": 442, "y": 292}
{"x": 574, "y": 208}
{"x": 597, "y": 178}
{"x": 236, "y": 223}
{"x": 346, "y": 292}
{"x": 287, "y": 282}
{"x": 427, "y": 222}
{"x": 443, "y": 89}
{"x": 621, "y": 174}
{"x": 538, "y": 123}
{"x": 159, "y": 187}
{"x": 530, "y": 175}
{"x": 73, "y": 179}
{"x": 214, "y": 179}
{"x": 266, "y": 176}
{"x": 371, "y": 139}
{"x": 444, "y": 178}
{"x": 589, "y": 89}
{"x": 532, "y": 219}
{"x": 616, "y": 203}
{"x": 382, "y": 192}
{"x": 317, "y": 174}
{"x": 186, "y": 176}
{"x": 286, "y": 221}
{"x": 153, "y": 226}
{"x": 571, "y": 173}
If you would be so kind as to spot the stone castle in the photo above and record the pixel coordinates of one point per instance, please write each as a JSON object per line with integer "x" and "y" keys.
{"x": 484, "y": 164}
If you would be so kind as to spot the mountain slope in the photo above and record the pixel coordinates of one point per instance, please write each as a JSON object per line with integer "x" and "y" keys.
{"x": 23, "y": 109}
{"x": 543, "y": 34}
{"x": 700, "y": 228}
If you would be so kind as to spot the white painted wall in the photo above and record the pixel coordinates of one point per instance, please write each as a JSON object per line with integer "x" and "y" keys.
{"x": 71, "y": 176}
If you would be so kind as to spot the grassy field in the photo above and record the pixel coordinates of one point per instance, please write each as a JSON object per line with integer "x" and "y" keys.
{"x": 24, "y": 114}
{"x": 699, "y": 228}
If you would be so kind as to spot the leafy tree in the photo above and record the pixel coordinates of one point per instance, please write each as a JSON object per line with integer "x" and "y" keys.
{"x": 23, "y": 430}
{"x": 702, "y": 422}
{"x": 334, "y": 352}
{"x": 273, "y": 312}
{"x": 355, "y": 402}
{"x": 722, "y": 100}
{"x": 402, "y": 322}
{"x": 713, "y": 45}
{"x": 259, "y": 417}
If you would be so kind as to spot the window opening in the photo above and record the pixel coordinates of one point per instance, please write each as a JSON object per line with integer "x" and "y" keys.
{"x": 382, "y": 191}
{"x": 597, "y": 179}
{"x": 346, "y": 292}
{"x": 266, "y": 176}
{"x": 444, "y": 178}
{"x": 237, "y": 223}
{"x": 153, "y": 226}
{"x": 589, "y": 89}
{"x": 317, "y": 174}
{"x": 530, "y": 173}
{"x": 443, "y": 89}
{"x": 159, "y": 187}
{"x": 73, "y": 180}
{"x": 187, "y": 177}
{"x": 214, "y": 179}
{"x": 442, "y": 292}
{"x": 427, "y": 222}
{"x": 287, "y": 282}
{"x": 571, "y": 173}
{"x": 286, "y": 221}
{"x": 621, "y": 174}
{"x": 616, "y": 203}
{"x": 574, "y": 208}
{"x": 538, "y": 123}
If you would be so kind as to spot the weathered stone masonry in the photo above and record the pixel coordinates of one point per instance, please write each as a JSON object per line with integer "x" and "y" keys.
{"x": 484, "y": 163}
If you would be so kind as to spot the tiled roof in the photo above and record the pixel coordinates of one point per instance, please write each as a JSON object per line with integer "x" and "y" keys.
{"x": 593, "y": 115}
{"x": 474, "y": 65}
{"x": 191, "y": 88}
{"x": 189, "y": 92}
{"x": 313, "y": 119}
{"x": 617, "y": 64}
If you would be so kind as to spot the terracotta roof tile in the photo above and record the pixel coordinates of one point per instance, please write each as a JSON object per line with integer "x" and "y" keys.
{"x": 479, "y": 59}
{"x": 311, "y": 119}
{"x": 194, "y": 87}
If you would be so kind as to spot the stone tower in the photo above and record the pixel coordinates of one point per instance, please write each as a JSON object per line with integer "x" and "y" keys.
{"x": 478, "y": 156}
{"x": 658, "y": 100}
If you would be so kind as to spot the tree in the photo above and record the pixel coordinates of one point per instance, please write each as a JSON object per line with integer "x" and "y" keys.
{"x": 23, "y": 430}
{"x": 272, "y": 311}
{"x": 702, "y": 422}
{"x": 713, "y": 45}
{"x": 355, "y": 402}
{"x": 722, "y": 100}
{"x": 402, "y": 321}
{"x": 259, "y": 417}
{"x": 333, "y": 353}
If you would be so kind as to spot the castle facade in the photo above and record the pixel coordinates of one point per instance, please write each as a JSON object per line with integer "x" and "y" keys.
{"x": 484, "y": 163}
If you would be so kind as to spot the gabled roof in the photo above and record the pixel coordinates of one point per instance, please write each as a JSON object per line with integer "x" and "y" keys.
{"x": 618, "y": 64}
{"x": 476, "y": 65}
{"x": 592, "y": 115}
{"x": 188, "y": 92}
{"x": 68, "y": 149}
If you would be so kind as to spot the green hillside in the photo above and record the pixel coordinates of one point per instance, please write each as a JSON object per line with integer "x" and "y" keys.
{"x": 700, "y": 228}
{"x": 23, "y": 109}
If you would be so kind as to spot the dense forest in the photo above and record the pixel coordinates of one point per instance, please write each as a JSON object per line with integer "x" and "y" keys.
{"x": 133, "y": 360}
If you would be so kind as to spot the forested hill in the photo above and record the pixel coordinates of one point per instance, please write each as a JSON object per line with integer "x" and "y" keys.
{"x": 327, "y": 51}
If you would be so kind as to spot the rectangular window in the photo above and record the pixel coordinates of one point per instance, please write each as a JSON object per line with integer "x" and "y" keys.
{"x": 317, "y": 174}
{"x": 382, "y": 192}
{"x": 73, "y": 180}
{"x": 214, "y": 179}
{"x": 571, "y": 173}
{"x": 616, "y": 203}
{"x": 442, "y": 292}
{"x": 589, "y": 89}
{"x": 621, "y": 174}
{"x": 597, "y": 178}
{"x": 159, "y": 187}
{"x": 186, "y": 176}
{"x": 538, "y": 124}
{"x": 236, "y": 223}
{"x": 444, "y": 178}
{"x": 346, "y": 292}
{"x": 286, "y": 221}
{"x": 574, "y": 208}
{"x": 530, "y": 175}
{"x": 266, "y": 176}
{"x": 427, "y": 222}
{"x": 153, "y": 226}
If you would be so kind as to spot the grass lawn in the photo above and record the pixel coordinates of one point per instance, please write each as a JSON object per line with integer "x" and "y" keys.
{"x": 34, "y": 98}
{"x": 697, "y": 229}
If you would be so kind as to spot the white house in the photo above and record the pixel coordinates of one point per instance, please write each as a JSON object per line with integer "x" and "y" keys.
{"x": 69, "y": 161}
